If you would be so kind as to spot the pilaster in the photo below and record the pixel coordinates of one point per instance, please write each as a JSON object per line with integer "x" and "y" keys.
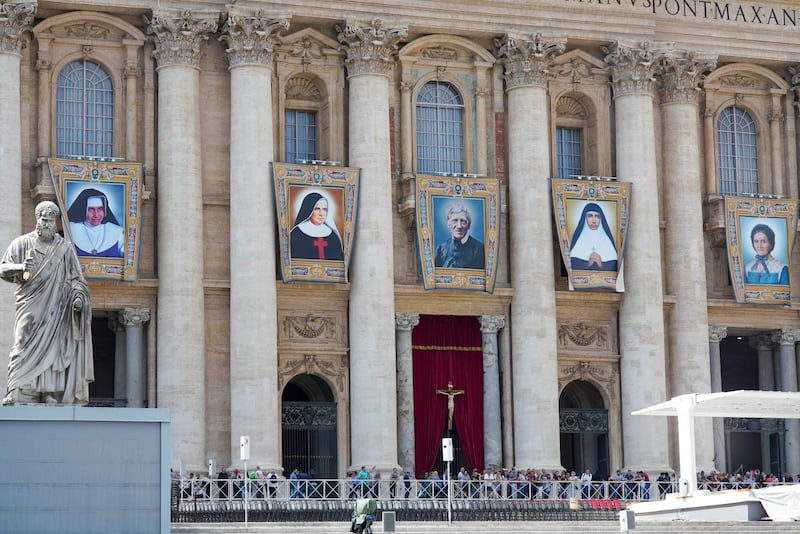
{"x": 492, "y": 443}
{"x": 404, "y": 325}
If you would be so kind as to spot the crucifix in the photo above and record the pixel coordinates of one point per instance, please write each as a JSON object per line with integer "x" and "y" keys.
{"x": 451, "y": 403}
{"x": 320, "y": 244}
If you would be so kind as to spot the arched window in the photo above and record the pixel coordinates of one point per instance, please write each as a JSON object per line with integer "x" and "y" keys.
{"x": 738, "y": 151}
{"x": 84, "y": 111}
{"x": 440, "y": 129}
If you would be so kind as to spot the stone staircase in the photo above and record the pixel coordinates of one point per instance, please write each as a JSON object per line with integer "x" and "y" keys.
{"x": 499, "y": 527}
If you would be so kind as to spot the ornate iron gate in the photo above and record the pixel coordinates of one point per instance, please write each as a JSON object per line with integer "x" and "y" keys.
{"x": 309, "y": 438}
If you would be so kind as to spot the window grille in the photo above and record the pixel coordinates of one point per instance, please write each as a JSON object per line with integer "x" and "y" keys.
{"x": 738, "y": 152}
{"x": 440, "y": 129}
{"x": 84, "y": 111}
{"x": 300, "y": 136}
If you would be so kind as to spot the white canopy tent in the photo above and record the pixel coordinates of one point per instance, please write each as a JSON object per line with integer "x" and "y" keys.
{"x": 755, "y": 404}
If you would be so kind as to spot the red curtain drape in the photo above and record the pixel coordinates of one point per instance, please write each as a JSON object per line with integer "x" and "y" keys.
{"x": 447, "y": 349}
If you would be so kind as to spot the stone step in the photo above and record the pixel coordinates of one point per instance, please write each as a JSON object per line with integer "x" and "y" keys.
{"x": 410, "y": 527}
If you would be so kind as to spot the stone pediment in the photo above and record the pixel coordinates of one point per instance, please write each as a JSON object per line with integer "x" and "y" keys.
{"x": 447, "y": 48}
{"x": 309, "y": 44}
{"x": 88, "y": 26}
{"x": 745, "y": 78}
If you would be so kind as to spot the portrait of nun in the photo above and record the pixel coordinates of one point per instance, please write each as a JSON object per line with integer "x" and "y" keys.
{"x": 94, "y": 228}
{"x": 314, "y": 235}
{"x": 592, "y": 247}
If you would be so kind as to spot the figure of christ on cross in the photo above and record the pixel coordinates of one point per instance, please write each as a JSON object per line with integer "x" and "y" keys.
{"x": 451, "y": 403}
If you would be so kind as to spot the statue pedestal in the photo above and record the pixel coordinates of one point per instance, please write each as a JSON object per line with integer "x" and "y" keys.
{"x": 88, "y": 470}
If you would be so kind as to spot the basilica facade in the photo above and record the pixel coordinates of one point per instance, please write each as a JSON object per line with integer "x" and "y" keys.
{"x": 688, "y": 101}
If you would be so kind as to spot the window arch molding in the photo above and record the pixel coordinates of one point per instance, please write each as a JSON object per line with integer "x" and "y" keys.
{"x": 467, "y": 117}
{"x": 119, "y": 48}
{"x": 765, "y": 97}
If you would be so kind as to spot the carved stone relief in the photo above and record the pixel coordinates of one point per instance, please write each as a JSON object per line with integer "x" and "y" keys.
{"x": 585, "y": 336}
{"x": 334, "y": 368}
{"x": 324, "y": 330}
{"x": 603, "y": 373}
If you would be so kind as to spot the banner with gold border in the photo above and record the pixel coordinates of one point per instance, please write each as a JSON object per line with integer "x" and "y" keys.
{"x": 458, "y": 229}
{"x": 760, "y": 235}
{"x": 108, "y": 247}
{"x": 317, "y": 207}
{"x": 592, "y": 218}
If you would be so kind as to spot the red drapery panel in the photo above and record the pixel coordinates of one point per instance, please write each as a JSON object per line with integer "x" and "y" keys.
{"x": 447, "y": 348}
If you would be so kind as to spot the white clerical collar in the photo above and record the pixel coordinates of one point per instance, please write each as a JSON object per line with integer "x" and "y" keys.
{"x": 314, "y": 230}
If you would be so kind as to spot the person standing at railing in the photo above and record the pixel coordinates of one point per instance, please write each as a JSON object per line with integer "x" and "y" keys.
{"x": 393, "y": 478}
{"x": 407, "y": 484}
{"x": 294, "y": 483}
{"x": 586, "y": 484}
{"x": 272, "y": 484}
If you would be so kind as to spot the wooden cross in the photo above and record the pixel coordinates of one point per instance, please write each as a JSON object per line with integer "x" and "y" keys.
{"x": 451, "y": 403}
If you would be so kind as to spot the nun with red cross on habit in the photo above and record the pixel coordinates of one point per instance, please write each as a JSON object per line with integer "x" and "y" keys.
{"x": 314, "y": 235}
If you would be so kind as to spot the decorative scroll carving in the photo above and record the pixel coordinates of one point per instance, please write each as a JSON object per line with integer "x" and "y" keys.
{"x": 583, "y": 420}
{"x": 335, "y": 369}
{"x": 251, "y": 37}
{"x": 302, "y": 415}
{"x": 742, "y": 80}
{"x": 603, "y": 373}
{"x": 87, "y": 30}
{"x": 576, "y": 69}
{"x": 440, "y": 52}
{"x": 178, "y": 35}
{"x": 528, "y": 58}
{"x": 632, "y": 69}
{"x": 15, "y": 20}
{"x": 309, "y": 327}
{"x": 307, "y": 49}
{"x": 134, "y": 316}
{"x": 755, "y": 425}
{"x": 371, "y": 46}
{"x": 583, "y": 335}
{"x": 681, "y": 74}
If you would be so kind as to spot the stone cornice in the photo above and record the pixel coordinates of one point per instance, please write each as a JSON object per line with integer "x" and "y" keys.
{"x": 371, "y": 46}
{"x": 490, "y": 324}
{"x": 178, "y": 35}
{"x": 15, "y": 20}
{"x": 251, "y": 36}
{"x": 528, "y": 58}
{"x": 632, "y": 68}
{"x": 681, "y": 74}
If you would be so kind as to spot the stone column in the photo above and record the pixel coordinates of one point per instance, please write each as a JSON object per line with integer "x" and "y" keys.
{"x": 492, "y": 441}
{"x": 250, "y": 37}
{"x": 533, "y": 309}
{"x": 15, "y": 20}
{"x": 766, "y": 382}
{"x": 787, "y": 339}
{"x": 178, "y": 36}
{"x": 134, "y": 319}
{"x": 120, "y": 363}
{"x": 683, "y": 209}
{"x": 641, "y": 315}
{"x": 404, "y": 324}
{"x": 507, "y": 406}
{"x": 715, "y": 335}
{"x": 371, "y": 48}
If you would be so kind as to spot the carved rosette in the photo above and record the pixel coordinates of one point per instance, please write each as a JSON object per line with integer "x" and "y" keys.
{"x": 528, "y": 58}
{"x": 251, "y": 38}
{"x": 490, "y": 324}
{"x": 15, "y": 20}
{"x": 406, "y": 321}
{"x": 602, "y": 373}
{"x": 786, "y": 336}
{"x": 334, "y": 369}
{"x": 134, "y": 316}
{"x": 632, "y": 69}
{"x": 178, "y": 35}
{"x": 717, "y": 333}
{"x": 371, "y": 46}
{"x": 681, "y": 74}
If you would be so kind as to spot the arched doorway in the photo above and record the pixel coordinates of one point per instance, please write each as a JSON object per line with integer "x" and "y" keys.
{"x": 584, "y": 429}
{"x": 309, "y": 427}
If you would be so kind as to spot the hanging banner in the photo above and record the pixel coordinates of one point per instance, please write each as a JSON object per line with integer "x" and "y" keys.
{"x": 592, "y": 225}
{"x": 760, "y": 234}
{"x": 458, "y": 229}
{"x": 101, "y": 207}
{"x": 317, "y": 208}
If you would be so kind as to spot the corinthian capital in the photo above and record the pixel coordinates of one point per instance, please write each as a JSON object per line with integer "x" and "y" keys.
{"x": 134, "y": 316}
{"x": 15, "y": 20}
{"x": 681, "y": 74}
{"x": 528, "y": 57}
{"x": 490, "y": 324}
{"x": 717, "y": 333}
{"x": 786, "y": 336}
{"x": 371, "y": 46}
{"x": 406, "y": 321}
{"x": 633, "y": 68}
{"x": 251, "y": 36}
{"x": 179, "y": 34}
